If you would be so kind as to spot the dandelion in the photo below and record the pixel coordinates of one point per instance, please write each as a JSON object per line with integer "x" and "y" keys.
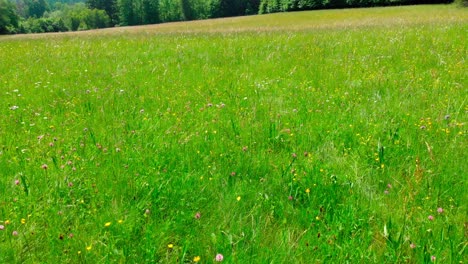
{"x": 89, "y": 247}
{"x": 307, "y": 190}
{"x": 120, "y": 221}
{"x": 238, "y": 198}
{"x": 219, "y": 257}
{"x": 196, "y": 259}
{"x": 107, "y": 224}
{"x": 197, "y": 215}
{"x": 440, "y": 210}
{"x": 170, "y": 246}
{"x": 23, "y": 221}
{"x": 430, "y": 217}
{"x": 7, "y": 222}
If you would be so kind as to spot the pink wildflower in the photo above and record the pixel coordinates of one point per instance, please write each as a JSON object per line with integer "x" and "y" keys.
{"x": 219, "y": 257}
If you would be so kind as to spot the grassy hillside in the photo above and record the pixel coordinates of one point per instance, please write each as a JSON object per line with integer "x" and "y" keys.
{"x": 314, "y": 137}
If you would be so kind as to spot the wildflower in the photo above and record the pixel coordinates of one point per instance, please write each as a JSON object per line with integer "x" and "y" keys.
{"x": 89, "y": 247}
{"x": 2, "y": 227}
{"x": 147, "y": 212}
{"x": 307, "y": 190}
{"x": 70, "y": 184}
{"x": 233, "y": 173}
{"x": 14, "y": 233}
{"x": 23, "y": 221}
{"x": 433, "y": 258}
{"x": 290, "y": 198}
{"x": 17, "y": 182}
{"x": 440, "y": 210}
{"x": 197, "y": 215}
{"x": 14, "y": 107}
{"x": 238, "y": 198}
{"x": 170, "y": 246}
{"x": 120, "y": 221}
{"x": 107, "y": 224}
{"x": 245, "y": 148}
{"x": 386, "y": 192}
{"x": 389, "y": 186}
{"x": 219, "y": 257}
{"x": 430, "y": 217}
{"x": 70, "y": 235}
{"x": 44, "y": 166}
{"x": 306, "y": 154}
{"x": 7, "y": 222}
{"x": 412, "y": 245}
{"x": 294, "y": 155}
{"x": 196, "y": 259}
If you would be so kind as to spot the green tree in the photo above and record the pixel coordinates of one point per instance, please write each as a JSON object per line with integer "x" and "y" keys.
{"x": 8, "y": 17}
{"x": 186, "y": 10}
{"x": 110, "y": 6}
{"x": 36, "y": 8}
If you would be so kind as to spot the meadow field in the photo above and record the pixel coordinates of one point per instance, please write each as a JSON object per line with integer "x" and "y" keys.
{"x": 333, "y": 136}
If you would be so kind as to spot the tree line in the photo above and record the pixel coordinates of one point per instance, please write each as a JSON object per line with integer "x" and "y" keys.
{"x": 37, "y": 16}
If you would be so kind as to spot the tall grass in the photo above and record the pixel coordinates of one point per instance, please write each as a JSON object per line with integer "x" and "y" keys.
{"x": 294, "y": 143}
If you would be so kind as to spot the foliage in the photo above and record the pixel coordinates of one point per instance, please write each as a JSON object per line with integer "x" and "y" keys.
{"x": 110, "y": 6}
{"x": 334, "y": 136}
{"x": 67, "y": 18}
{"x": 8, "y": 17}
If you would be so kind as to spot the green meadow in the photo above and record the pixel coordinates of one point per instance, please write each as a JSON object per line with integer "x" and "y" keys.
{"x": 334, "y": 136}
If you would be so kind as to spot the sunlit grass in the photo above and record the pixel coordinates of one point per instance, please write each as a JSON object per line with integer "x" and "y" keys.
{"x": 258, "y": 138}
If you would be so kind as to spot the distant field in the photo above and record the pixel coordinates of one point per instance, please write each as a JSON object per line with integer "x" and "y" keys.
{"x": 334, "y": 136}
